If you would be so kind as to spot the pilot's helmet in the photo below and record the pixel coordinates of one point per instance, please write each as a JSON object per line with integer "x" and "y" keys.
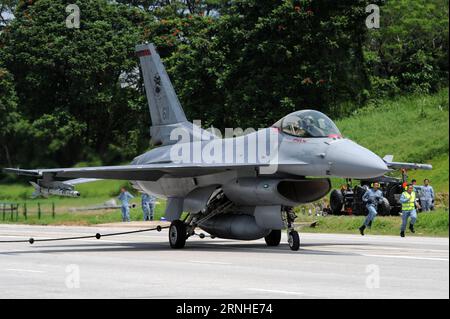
{"x": 308, "y": 121}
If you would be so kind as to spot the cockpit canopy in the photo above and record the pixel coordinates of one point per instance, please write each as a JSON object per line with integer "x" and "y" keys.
{"x": 308, "y": 123}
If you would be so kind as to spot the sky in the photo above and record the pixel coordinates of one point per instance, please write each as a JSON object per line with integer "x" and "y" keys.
{"x": 7, "y": 15}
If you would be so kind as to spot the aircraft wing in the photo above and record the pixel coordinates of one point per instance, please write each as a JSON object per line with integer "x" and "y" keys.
{"x": 148, "y": 172}
{"x": 81, "y": 181}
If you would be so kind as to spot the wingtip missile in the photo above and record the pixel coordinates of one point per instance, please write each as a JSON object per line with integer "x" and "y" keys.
{"x": 60, "y": 189}
{"x": 397, "y": 165}
{"x": 389, "y": 160}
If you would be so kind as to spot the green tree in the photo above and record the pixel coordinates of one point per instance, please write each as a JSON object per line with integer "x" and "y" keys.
{"x": 179, "y": 7}
{"x": 410, "y": 50}
{"x": 263, "y": 59}
{"x": 77, "y": 87}
{"x": 76, "y": 94}
{"x": 8, "y": 114}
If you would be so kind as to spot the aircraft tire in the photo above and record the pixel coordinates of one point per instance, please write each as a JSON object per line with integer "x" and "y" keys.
{"x": 274, "y": 238}
{"x": 336, "y": 201}
{"x": 392, "y": 192}
{"x": 384, "y": 208}
{"x": 294, "y": 240}
{"x": 177, "y": 234}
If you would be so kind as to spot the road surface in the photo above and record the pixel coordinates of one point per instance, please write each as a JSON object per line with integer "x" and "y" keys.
{"x": 143, "y": 266}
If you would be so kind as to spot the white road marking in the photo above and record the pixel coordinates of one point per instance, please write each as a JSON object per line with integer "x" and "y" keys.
{"x": 284, "y": 292}
{"x": 406, "y": 257}
{"x": 209, "y": 262}
{"x": 101, "y": 240}
{"x": 25, "y": 270}
{"x": 375, "y": 247}
{"x": 10, "y": 236}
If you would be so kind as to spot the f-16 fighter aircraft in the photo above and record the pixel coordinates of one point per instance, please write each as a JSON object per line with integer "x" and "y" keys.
{"x": 241, "y": 188}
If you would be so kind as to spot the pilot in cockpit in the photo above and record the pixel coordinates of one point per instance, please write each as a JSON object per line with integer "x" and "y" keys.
{"x": 308, "y": 124}
{"x": 311, "y": 127}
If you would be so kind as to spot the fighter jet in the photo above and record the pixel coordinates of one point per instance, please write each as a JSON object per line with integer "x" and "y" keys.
{"x": 243, "y": 187}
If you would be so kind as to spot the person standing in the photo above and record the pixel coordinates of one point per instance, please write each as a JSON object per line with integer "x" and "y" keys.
{"x": 148, "y": 206}
{"x": 145, "y": 206}
{"x": 408, "y": 200}
{"x": 124, "y": 197}
{"x": 426, "y": 196}
{"x": 372, "y": 197}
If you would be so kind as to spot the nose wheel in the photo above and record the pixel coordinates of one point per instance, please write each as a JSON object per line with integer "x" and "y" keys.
{"x": 294, "y": 240}
{"x": 293, "y": 236}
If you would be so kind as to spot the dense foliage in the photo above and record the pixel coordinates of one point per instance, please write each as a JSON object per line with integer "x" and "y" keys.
{"x": 265, "y": 59}
{"x": 410, "y": 50}
{"x": 8, "y": 112}
{"x": 72, "y": 95}
{"x": 75, "y": 86}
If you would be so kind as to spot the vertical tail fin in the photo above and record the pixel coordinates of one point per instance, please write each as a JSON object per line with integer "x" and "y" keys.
{"x": 165, "y": 108}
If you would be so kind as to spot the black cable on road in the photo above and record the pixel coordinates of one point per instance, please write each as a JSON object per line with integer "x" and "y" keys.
{"x": 97, "y": 236}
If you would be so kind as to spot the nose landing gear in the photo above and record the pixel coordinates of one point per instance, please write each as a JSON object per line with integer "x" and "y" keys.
{"x": 294, "y": 240}
{"x": 293, "y": 236}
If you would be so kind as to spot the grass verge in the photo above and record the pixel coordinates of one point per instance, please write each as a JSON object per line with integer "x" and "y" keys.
{"x": 63, "y": 217}
{"x": 428, "y": 224}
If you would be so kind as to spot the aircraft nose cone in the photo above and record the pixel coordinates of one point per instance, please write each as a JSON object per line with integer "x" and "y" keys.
{"x": 350, "y": 160}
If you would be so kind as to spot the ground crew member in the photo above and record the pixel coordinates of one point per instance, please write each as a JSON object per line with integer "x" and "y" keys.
{"x": 372, "y": 198}
{"x": 426, "y": 196}
{"x": 124, "y": 197}
{"x": 148, "y": 206}
{"x": 408, "y": 200}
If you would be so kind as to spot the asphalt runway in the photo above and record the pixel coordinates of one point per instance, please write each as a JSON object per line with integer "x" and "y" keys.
{"x": 143, "y": 266}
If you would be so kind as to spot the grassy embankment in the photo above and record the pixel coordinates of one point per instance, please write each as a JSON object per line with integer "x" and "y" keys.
{"x": 412, "y": 128}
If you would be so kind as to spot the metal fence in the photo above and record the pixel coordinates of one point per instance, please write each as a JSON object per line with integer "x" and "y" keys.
{"x": 10, "y": 211}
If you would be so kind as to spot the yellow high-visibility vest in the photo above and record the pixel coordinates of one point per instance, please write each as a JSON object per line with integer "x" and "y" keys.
{"x": 410, "y": 204}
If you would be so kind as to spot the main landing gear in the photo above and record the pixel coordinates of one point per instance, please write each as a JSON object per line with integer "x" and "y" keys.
{"x": 177, "y": 234}
{"x": 274, "y": 238}
{"x": 181, "y": 230}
